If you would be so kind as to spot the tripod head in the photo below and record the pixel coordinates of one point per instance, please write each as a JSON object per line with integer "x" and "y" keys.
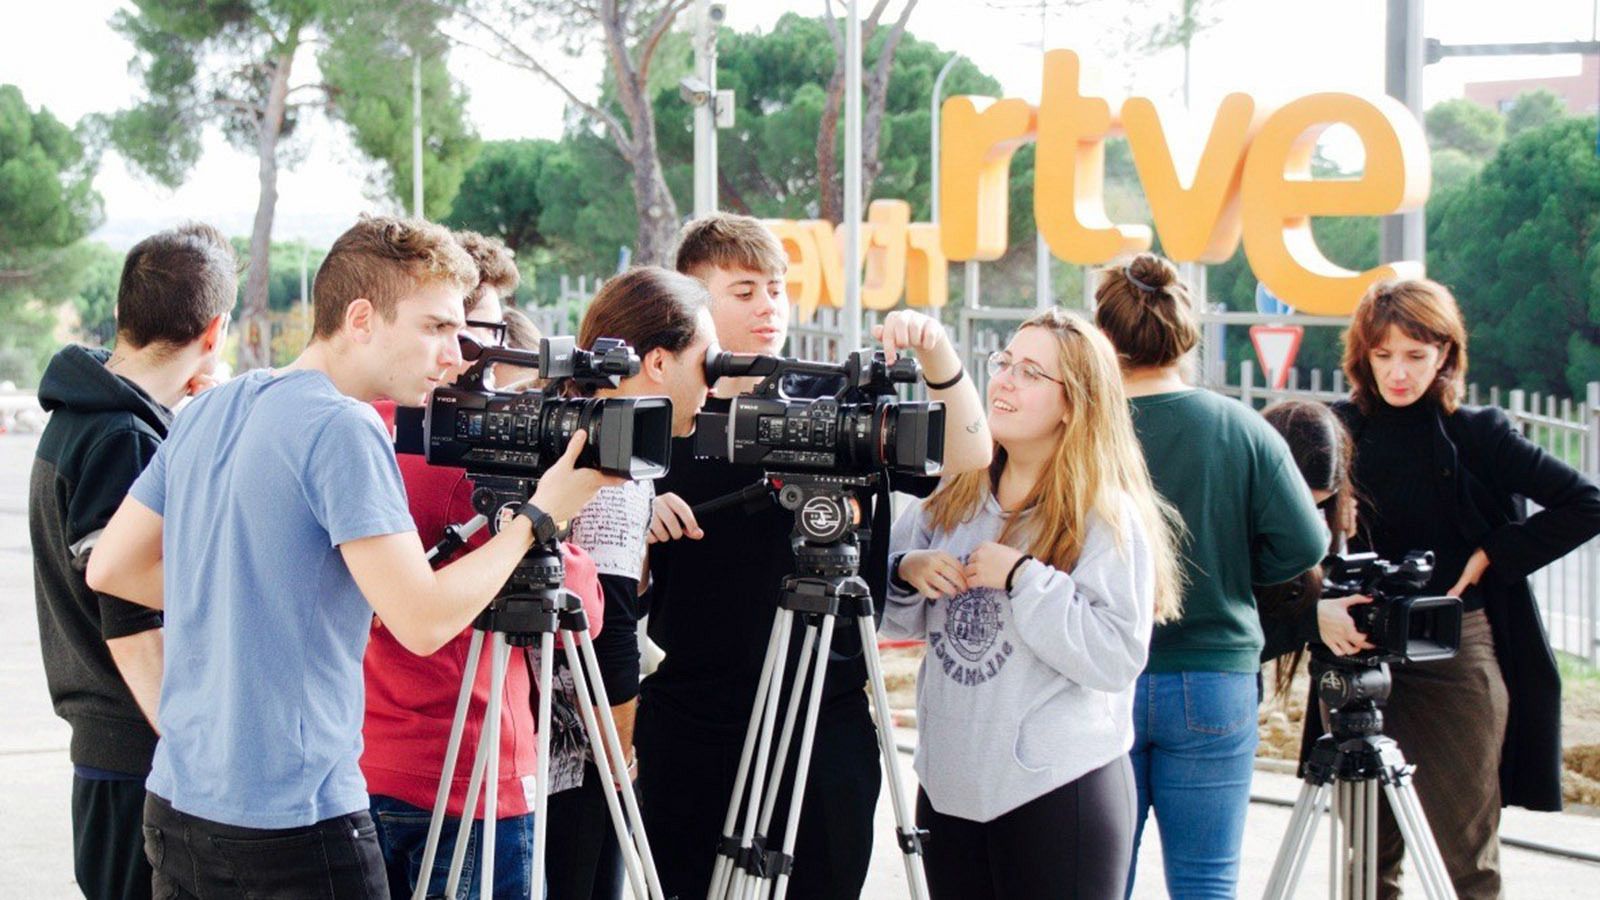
{"x": 532, "y": 601}
{"x": 1354, "y": 690}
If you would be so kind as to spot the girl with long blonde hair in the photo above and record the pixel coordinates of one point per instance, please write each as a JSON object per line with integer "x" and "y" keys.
{"x": 1035, "y": 583}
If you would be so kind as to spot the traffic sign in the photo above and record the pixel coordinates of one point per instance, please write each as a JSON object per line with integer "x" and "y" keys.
{"x": 1276, "y": 346}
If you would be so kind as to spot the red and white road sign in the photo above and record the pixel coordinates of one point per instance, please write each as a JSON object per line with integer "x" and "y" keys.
{"x": 1276, "y": 346}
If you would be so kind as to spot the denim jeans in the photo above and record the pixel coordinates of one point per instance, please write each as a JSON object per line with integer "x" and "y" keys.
{"x": 335, "y": 859}
{"x": 403, "y": 835}
{"x": 1194, "y": 744}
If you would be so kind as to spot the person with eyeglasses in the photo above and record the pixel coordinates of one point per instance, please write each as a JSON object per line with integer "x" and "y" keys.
{"x": 1251, "y": 520}
{"x": 1035, "y": 583}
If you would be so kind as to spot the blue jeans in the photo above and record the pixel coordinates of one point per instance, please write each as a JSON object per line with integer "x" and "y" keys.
{"x": 403, "y": 835}
{"x": 1194, "y": 745}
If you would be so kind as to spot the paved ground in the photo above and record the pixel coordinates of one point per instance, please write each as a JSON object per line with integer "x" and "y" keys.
{"x": 35, "y": 776}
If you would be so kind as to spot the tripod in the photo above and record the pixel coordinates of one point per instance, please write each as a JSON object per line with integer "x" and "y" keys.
{"x": 1351, "y": 762}
{"x": 532, "y": 606}
{"x": 824, "y": 589}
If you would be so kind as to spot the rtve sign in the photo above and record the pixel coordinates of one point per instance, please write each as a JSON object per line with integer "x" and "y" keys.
{"x": 1252, "y": 182}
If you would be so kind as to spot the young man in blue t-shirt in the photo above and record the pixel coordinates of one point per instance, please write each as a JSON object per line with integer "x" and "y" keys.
{"x": 270, "y": 527}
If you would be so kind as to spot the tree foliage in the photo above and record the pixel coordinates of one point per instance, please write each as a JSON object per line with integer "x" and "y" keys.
{"x": 1464, "y": 126}
{"x": 47, "y": 193}
{"x": 1534, "y": 109}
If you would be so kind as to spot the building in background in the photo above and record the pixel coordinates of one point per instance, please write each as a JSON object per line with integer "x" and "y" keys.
{"x": 1581, "y": 92}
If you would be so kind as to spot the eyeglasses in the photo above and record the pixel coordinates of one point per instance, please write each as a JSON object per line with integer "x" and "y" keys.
{"x": 498, "y": 329}
{"x": 1026, "y": 373}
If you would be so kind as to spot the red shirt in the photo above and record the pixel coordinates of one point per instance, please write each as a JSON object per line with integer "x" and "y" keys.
{"x": 411, "y": 700}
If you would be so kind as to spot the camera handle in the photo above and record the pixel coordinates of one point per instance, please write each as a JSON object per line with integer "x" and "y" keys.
{"x": 532, "y": 607}
{"x": 824, "y": 588}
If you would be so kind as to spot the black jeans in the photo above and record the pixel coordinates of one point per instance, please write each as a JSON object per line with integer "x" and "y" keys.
{"x": 582, "y": 858}
{"x": 334, "y": 859}
{"x": 107, "y": 846}
{"x": 1074, "y": 842}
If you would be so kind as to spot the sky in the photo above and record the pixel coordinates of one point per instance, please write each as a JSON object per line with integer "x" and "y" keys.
{"x": 65, "y": 56}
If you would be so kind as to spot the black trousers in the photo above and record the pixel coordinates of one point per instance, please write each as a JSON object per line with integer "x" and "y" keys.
{"x": 197, "y": 859}
{"x": 582, "y": 858}
{"x": 1076, "y": 841}
{"x": 107, "y": 844}
{"x": 685, "y": 784}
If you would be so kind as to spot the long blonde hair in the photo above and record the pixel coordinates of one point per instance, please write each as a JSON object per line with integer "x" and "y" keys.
{"x": 1097, "y": 457}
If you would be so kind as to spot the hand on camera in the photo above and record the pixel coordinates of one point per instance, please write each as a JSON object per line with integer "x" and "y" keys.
{"x": 565, "y": 489}
{"x": 990, "y": 564}
{"x": 1336, "y": 627}
{"x": 904, "y": 329}
{"x": 670, "y": 519}
{"x": 934, "y": 573}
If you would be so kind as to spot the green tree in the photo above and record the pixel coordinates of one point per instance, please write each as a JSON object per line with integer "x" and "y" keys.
{"x": 1465, "y": 126}
{"x": 1520, "y": 246}
{"x": 96, "y": 299}
{"x": 47, "y": 193}
{"x": 233, "y": 63}
{"x": 1534, "y": 109}
{"x": 499, "y": 193}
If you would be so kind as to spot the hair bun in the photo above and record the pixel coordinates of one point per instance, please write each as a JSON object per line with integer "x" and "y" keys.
{"x": 1151, "y": 272}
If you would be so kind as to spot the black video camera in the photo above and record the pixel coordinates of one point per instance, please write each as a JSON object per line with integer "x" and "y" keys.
{"x": 490, "y": 432}
{"x": 861, "y": 426}
{"x": 1402, "y": 626}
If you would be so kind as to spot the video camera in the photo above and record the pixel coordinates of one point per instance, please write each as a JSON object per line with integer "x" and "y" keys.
{"x": 522, "y": 434}
{"x": 1402, "y": 626}
{"x": 861, "y": 426}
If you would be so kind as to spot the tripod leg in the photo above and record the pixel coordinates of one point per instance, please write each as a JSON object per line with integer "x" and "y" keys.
{"x": 541, "y": 798}
{"x": 630, "y": 800}
{"x": 803, "y": 767}
{"x": 458, "y": 726}
{"x": 758, "y": 771}
{"x": 499, "y": 657}
{"x": 904, "y": 818}
{"x": 1370, "y": 829}
{"x": 602, "y": 765}
{"x": 469, "y": 809}
{"x": 724, "y": 867}
{"x": 1297, "y": 842}
{"x": 786, "y": 738}
{"x": 1420, "y": 846}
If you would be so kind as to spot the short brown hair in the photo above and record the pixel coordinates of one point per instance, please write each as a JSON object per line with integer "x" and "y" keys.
{"x": 497, "y": 266}
{"x": 726, "y": 241}
{"x": 174, "y": 283}
{"x": 1425, "y": 311}
{"x": 384, "y": 259}
{"x": 521, "y": 333}
{"x": 1146, "y": 312}
{"x": 648, "y": 307}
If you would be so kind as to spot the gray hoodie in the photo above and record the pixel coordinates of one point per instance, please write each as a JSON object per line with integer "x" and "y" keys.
{"x": 1021, "y": 694}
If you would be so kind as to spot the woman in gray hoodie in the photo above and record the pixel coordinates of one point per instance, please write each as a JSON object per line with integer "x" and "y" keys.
{"x": 1035, "y": 584}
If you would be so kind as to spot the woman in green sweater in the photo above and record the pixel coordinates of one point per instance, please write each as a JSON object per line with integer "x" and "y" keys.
{"x": 1250, "y": 520}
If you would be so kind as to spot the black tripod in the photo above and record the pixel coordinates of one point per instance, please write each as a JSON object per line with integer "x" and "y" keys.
{"x": 532, "y": 606}
{"x": 1351, "y": 762}
{"x": 824, "y": 588}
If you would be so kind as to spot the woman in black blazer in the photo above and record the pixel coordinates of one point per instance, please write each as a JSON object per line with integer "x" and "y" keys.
{"x": 1435, "y": 475}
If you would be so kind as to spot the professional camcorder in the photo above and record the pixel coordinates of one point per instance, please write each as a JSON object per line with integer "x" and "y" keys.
{"x": 861, "y": 426}
{"x": 1402, "y": 626}
{"x": 522, "y": 434}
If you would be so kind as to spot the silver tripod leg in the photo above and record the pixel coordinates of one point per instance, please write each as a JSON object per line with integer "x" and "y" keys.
{"x": 803, "y": 767}
{"x": 1297, "y": 841}
{"x": 758, "y": 770}
{"x": 904, "y": 818}
{"x": 499, "y": 657}
{"x": 607, "y": 750}
{"x": 541, "y": 799}
{"x": 441, "y": 801}
{"x": 458, "y": 856}
{"x": 1420, "y": 846}
{"x": 721, "y": 873}
{"x": 754, "y": 887}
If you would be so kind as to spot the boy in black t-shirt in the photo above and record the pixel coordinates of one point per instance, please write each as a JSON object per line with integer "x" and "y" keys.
{"x": 715, "y": 591}
{"x": 109, "y": 413}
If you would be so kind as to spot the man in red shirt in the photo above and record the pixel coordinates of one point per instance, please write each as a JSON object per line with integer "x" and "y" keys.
{"x": 411, "y": 700}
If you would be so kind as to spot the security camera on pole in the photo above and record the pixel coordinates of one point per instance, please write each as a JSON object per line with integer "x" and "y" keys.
{"x": 700, "y": 91}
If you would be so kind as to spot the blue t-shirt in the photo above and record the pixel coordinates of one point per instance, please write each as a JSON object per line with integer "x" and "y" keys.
{"x": 258, "y": 484}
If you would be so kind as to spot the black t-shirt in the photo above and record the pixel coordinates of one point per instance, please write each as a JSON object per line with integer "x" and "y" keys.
{"x": 712, "y": 601}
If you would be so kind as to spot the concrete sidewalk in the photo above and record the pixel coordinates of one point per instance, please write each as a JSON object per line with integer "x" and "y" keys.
{"x": 35, "y": 775}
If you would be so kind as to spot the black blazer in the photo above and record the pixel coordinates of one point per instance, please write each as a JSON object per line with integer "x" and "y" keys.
{"x": 1492, "y": 469}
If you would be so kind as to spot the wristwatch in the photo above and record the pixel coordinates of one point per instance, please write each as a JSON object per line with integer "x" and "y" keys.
{"x": 544, "y": 528}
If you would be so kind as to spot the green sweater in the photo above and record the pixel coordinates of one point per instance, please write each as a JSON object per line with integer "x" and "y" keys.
{"x": 1250, "y": 520}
